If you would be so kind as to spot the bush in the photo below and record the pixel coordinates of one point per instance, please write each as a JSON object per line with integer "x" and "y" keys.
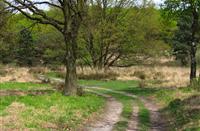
{"x": 140, "y": 74}
{"x": 3, "y": 72}
{"x": 55, "y": 74}
{"x": 196, "y": 84}
{"x": 37, "y": 70}
{"x": 98, "y": 76}
{"x": 158, "y": 76}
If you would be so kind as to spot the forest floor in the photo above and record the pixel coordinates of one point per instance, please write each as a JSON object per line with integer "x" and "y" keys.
{"x": 107, "y": 105}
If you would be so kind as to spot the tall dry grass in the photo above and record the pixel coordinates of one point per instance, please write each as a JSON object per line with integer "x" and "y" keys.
{"x": 164, "y": 76}
{"x": 167, "y": 76}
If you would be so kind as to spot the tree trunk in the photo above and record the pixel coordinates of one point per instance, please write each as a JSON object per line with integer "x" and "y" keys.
{"x": 194, "y": 28}
{"x": 71, "y": 77}
{"x": 193, "y": 63}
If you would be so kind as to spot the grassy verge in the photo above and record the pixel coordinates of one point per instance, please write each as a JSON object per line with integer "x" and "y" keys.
{"x": 184, "y": 114}
{"x": 22, "y": 86}
{"x": 47, "y": 112}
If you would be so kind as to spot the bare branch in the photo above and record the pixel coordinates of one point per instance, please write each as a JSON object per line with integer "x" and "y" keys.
{"x": 37, "y": 14}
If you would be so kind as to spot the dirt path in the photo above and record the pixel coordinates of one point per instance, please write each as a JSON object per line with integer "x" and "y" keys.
{"x": 133, "y": 123}
{"x": 110, "y": 116}
{"x": 157, "y": 123}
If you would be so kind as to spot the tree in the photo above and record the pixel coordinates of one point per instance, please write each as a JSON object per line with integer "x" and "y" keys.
{"x": 25, "y": 47}
{"x": 6, "y": 37}
{"x": 102, "y": 32}
{"x": 144, "y": 33}
{"x": 71, "y": 13}
{"x": 187, "y": 13}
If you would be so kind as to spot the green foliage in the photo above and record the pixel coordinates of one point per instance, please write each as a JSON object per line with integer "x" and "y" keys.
{"x": 25, "y": 48}
{"x": 104, "y": 40}
{"x": 182, "y": 38}
{"x": 187, "y": 36}
{"x": 196, "y": 84}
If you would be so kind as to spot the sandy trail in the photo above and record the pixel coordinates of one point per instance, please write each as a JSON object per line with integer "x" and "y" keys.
{"x": 110, "y": 116}
{"x": 133, "y": 123}
{"x": 157, "y": 123}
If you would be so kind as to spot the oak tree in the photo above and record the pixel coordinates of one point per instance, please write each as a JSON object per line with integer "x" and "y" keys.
{"x": 68, "y": 23}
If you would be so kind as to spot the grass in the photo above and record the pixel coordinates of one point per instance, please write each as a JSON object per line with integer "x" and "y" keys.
{"x": 22, "y": 86}
{"x": 47, "y": 112}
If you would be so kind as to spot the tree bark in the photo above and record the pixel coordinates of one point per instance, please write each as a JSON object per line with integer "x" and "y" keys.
{"x": 193, "y": 63}
{"x": 71, "y": 76}
{"x": 194, "y": 29}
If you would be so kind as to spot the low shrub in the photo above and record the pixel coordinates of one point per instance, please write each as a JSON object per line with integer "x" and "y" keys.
{"x": 57, "y": 74}
{"x": 37, "y": 70}
{"x": 3, "y": 72}
{"x": 99, "y": 76}
{"x": 158, "y": 76}
{"x": 196, "y": 84}
{"x": 140, "y": 74}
